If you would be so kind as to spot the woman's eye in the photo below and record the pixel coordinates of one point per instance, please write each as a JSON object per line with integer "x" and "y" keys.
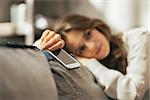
{"x": 87, "y": 35}
{"x": 81, "y": 50}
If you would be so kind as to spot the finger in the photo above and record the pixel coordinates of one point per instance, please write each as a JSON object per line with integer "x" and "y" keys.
{"x": 58, "y": 45}
{"x": 47, "y": 38}
{"x": 52, "y": 41}
{"x": 45, "y": 33}
{"x": 63, "y": 43}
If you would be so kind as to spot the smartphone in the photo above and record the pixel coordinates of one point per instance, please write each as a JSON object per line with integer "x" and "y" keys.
{"x": 65, "y": 59}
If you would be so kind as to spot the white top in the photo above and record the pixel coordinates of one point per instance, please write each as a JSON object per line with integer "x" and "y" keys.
{"x": 134, "y": 84}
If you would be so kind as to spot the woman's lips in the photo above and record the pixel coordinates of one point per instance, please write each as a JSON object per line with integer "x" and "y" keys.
{"x": 98, "y": 48}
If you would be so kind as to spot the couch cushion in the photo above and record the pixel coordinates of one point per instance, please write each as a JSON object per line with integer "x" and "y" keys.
{"x": 25, "y": 75}
{"x": 76, "y": 84}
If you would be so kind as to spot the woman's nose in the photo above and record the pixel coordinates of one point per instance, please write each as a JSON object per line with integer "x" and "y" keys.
{"x": 90, "y": 45}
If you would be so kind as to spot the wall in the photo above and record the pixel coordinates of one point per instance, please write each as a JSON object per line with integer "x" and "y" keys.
{"x": 4, "y": 10}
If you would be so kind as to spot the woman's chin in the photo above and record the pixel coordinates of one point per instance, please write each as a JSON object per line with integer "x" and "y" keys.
{"x": 103, "y": 56}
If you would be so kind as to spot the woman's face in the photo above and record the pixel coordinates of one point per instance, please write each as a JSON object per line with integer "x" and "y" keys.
{"x": 89, "y": 43}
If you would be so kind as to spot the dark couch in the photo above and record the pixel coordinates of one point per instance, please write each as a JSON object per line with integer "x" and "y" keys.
{"x": 25, "y": 74}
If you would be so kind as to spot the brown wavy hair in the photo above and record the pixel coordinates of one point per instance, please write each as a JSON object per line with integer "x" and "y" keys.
{"x": 117, "y": 59}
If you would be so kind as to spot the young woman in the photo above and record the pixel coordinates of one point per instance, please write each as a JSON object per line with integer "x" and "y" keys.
{"x": 119, "y": 62}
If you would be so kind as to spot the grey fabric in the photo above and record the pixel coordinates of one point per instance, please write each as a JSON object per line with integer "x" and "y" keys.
{"x": 25, "y": 75}
{"x": 76, "y": 84}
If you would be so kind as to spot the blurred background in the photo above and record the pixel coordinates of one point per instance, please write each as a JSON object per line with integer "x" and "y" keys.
{"x": 22, "y": 21}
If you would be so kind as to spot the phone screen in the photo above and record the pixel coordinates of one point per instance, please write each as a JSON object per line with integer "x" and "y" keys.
{"x": 61, "y": 54}
{"x": 64, "y": 58}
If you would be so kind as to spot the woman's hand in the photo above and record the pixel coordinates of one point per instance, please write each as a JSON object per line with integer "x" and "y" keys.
{"x": 49, "y": 41}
